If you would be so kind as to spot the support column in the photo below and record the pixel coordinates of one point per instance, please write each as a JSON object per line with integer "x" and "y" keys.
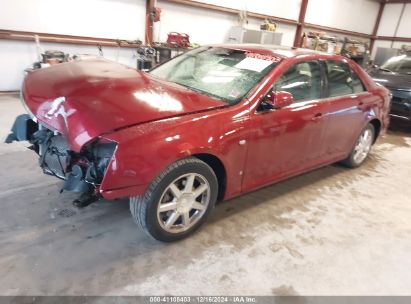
{"x": 301, "y": 23}
{"x": 376, "y": 26}
{"x": 149, "y": 22}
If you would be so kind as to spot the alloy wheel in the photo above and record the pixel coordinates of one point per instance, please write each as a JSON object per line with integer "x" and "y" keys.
{"x": 183, "y": 203}
{"x": 363, "y": 146}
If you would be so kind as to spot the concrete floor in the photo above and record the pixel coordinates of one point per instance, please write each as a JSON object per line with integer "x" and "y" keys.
{"x": 333, "y": 231}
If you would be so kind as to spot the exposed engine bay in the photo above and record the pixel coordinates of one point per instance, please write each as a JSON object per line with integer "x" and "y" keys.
{"x": 82, "y": 172}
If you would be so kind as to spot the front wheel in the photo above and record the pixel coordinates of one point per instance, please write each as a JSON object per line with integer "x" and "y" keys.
{"x": 361, "y": 148}
{"x": 178, "y": 201}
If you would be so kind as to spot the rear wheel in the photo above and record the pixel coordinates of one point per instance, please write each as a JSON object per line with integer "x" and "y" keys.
{"x": 177, "y": 202}
{"x": 361, "y": 148}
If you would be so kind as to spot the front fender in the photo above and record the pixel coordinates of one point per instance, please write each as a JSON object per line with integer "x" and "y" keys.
{"x": 144, "y": 151}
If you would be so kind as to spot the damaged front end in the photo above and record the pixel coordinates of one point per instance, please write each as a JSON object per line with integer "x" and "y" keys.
{"x": 82, "y": 171}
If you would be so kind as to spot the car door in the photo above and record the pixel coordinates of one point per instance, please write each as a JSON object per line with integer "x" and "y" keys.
{"x": 287, "y": 140}
{"x": 346, "y": 99}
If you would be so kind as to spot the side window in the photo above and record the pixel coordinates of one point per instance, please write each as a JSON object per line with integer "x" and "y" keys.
{"x": 303, "y": 80}
{"x": 342, "y": 80}
{"x": 357, "y": 83}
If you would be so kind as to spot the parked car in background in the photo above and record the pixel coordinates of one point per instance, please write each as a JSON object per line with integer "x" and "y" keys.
{"x": 395, "y": 75}
{"x": 209, "y": 125}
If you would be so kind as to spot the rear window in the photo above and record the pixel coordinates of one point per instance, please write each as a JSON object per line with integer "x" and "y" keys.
{"x": 342, "y": 80}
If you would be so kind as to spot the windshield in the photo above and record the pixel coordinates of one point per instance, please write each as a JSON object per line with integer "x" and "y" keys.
{"x": 226, "y": 74}
{"x": 399, "y": 64}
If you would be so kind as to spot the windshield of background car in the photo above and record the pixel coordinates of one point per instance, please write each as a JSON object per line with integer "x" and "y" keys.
{"x": 399, "y": 64}
{"x": 222, "y": 73}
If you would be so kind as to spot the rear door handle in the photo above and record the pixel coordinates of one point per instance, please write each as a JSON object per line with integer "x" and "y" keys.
{"x": 317, "y": 116}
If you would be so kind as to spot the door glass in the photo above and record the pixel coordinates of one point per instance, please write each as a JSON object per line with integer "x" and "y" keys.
{"x": 303, "y": 80}
{"x": 341, "y": 80}
{"x": 356, "y": 84}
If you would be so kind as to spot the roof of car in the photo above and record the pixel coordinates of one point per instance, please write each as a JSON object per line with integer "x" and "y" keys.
{"x": 271, "y": 49}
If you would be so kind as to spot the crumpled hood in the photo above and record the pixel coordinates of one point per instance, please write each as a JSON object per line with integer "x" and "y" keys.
{"x": 85, "y": 99}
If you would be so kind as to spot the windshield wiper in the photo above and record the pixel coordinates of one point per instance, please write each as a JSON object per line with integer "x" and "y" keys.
{"x": 192, "y": 89}
{"x": 385, "y": 70}
{"x": 203, "y": 92}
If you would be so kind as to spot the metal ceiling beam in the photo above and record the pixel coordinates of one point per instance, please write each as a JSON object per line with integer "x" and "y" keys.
{"x": 336, "y": 30}
{"x": 59, "y": 38}
{"x": 394, "y": 39}
{"x": 301, "y": 23}
{"x": 376, "y": 25}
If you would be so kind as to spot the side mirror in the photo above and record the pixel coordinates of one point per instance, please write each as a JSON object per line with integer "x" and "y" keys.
{"x": 278, "y": 100}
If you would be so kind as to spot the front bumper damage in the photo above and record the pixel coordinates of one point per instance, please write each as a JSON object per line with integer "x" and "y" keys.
{"x": 82, "y": 172}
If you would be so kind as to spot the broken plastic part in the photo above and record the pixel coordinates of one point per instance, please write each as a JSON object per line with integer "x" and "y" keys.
{"x": 75, "y": 181}
{"x": 86, "y": 199}
{"x": 22, "y": 129}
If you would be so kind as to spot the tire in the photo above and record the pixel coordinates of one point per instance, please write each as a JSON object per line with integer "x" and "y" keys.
{"x": 355, "y": 160}
{"x": 170, "y": 210}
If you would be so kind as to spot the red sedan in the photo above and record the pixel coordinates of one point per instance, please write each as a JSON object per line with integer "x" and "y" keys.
{"x": 208, "y": 125}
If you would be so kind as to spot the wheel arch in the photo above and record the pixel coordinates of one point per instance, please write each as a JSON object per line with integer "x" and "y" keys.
{"x": 376, "y": 123}
{"x": 219, "y": 169}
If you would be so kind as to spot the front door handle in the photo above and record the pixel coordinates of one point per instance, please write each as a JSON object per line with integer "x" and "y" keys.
{"x": 361, "y": 105}
{"x": 317, "y": 116}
